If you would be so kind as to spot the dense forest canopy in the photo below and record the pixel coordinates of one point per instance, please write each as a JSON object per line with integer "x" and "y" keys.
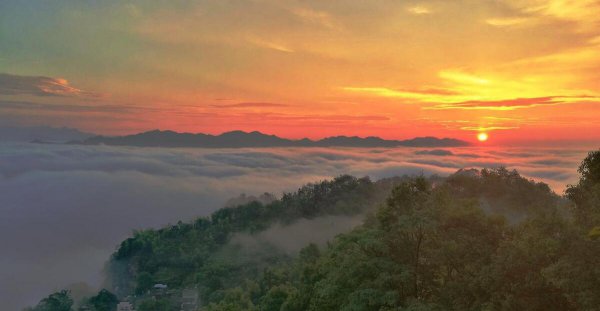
{"x": 477, "y": 240}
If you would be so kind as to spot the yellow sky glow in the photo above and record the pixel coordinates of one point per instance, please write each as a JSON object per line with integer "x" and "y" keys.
{"x": 517, "y": 69}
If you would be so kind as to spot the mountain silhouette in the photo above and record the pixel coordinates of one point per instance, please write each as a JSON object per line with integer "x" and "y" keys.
{"x": 41, "y": 134}
{"x": 240, "y": 139}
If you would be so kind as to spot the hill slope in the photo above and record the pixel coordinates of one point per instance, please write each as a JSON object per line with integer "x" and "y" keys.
{"x": 476, "y": 240}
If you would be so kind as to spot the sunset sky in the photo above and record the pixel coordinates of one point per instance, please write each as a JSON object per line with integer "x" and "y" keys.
{"x": 518, "y": 70}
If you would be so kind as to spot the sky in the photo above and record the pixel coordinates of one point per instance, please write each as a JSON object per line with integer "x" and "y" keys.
{"x": 65, "y": 208}
{"x": 521, "y": 71}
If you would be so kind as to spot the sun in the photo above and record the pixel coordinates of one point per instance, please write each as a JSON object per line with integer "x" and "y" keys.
{"x": 482, "y": 137}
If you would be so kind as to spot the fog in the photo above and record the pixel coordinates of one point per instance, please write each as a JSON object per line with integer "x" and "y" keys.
{"x": 65, "y": 208}
{"x": 293, "y": 237}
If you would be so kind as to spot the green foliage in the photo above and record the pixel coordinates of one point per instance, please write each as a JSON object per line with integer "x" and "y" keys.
{"x": 586, "y": 194}
{"x": 477, "y": 240}
{"x": 518, "y": 268}
{"x": 502, "y": 192}
{"x": 594, "y": 233}
{"x": 233, "y": 299}
{"x": 275, "y": 298}
{"x": 59, "y": 301}
{"x": 420, "y": 254}
{"x": 590, "y": 168}
{"x": 577, "y": 273}
{"x": 103, "y": 301}
{"x": 144, "y": 283}
{"x": 199, "y": 253}
{"x": 343, "y": 195}
{"x": 156, "y": 305}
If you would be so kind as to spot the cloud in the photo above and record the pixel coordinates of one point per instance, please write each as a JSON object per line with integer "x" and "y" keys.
{"x": 268, "y": 44}
{"x": 437, "y": 152}
{"x": 448, "y": 99}
{"x": 445, "y": 99}
{"x": 508, "y": 21}
{"x": 487, "y": 128}
{"x": 38, "y": 85}
{"x": 584, "y": 13}
{"x": 250, "y": 105}
{"x": 419, "y": 10}
{"x": 508, "y": 104}
{"x": 423, "y": 94}
{"x": 340, "y": 117}
{"x": 65, "y": 207}
{"x": 427, "y": 95}
{"x": 317, "y": 17}
{"x": 293, "y": 237}
{"x": 63, "y": 108}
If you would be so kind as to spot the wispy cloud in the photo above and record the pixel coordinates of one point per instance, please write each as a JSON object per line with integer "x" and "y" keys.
{"x": 456, "y": 86}
{"x": 584, "y": 13}
{"x": 268, "y": 44}
{"x": 459, "y": 89}
{"x": 431, "y": 95}
{"x": 250, "y": 105}
{"x": 11, "y": 84}
{"x": 462, "y": 77}
{"x": 487, "y": 128}
{"x": 419, "y": 10}
{"x": 327, "y": 117}
{"x": 508, "y": 21}
{"x": 317, "y": 17}
{"x": 509, "y": 104}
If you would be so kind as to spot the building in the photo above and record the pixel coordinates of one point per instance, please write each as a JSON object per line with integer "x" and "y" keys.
{"x": 159, "y": 290}
{"x": 124, "y": 306}
{"x": 189, "y": 300}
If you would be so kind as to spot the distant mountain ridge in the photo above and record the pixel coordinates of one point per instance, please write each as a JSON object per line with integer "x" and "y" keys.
{"x": 41, "y": 134}
{"x": 240, "y": 139}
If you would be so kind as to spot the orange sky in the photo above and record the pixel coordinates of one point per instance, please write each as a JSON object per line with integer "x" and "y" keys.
{"x": 519, "y": 70}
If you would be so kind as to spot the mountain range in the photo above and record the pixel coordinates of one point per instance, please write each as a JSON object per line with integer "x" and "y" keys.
{"x": 46, "y": 134}
{"x": 239, "y": 139}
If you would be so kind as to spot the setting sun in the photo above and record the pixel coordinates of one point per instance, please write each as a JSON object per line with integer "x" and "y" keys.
{"x": 482, "y": 137}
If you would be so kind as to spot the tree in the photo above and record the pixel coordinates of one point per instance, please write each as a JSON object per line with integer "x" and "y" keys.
{"x": 478, "y": 240}
{"x": 586, "y": 193}
{"x": 590, "y": 168}
{"x": 59, "y": 301}
{"x": 275, "y": 298}
{"x": 103, "y": 301}
{"x": 155, "y": 305}
{"x": 233, "y": 300}
{"x": 519, "y": 274}
{"x": 358, "y": 273}
{"x": 144, "y": 283}
{"x": 409, "y": 218}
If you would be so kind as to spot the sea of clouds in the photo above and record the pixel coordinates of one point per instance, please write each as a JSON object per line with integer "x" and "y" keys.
{"x": 64, "y": 208}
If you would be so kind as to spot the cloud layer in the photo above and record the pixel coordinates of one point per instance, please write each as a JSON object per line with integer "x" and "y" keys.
{"x": 65, "y": 208}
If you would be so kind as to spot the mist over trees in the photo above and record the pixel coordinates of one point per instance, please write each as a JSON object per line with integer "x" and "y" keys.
{"x": 477, "y": 240}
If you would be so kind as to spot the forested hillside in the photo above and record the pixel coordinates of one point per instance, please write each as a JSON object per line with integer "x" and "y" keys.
{"x": 476, "y": 240}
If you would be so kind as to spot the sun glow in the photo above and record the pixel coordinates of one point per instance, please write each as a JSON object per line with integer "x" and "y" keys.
{"x": 482, "y": 137}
